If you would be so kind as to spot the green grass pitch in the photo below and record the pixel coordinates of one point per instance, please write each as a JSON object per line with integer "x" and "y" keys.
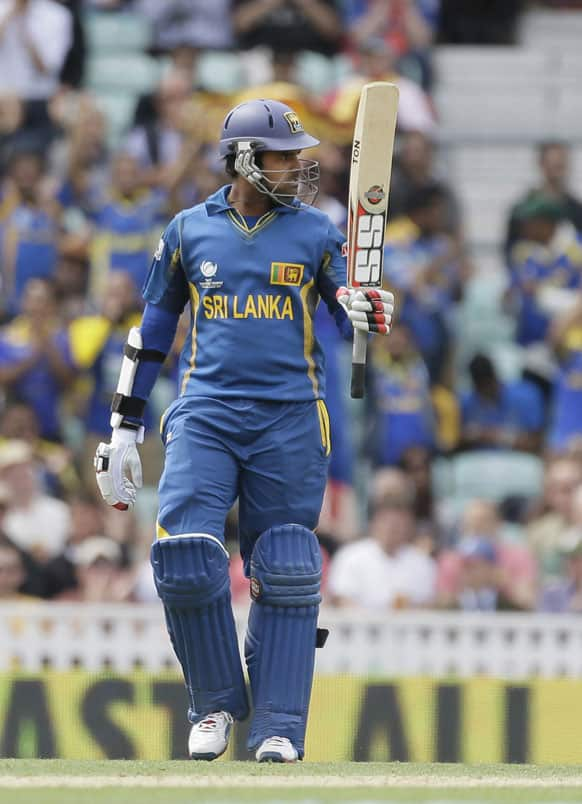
{"x": 111, "y": 782}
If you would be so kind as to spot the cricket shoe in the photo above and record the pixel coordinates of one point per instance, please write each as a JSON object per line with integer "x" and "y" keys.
{"x": 209, "y": 737}
{"x": 277, "y": 749}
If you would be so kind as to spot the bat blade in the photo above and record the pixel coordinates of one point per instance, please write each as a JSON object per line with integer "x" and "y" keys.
{"x": 370, "y": 171}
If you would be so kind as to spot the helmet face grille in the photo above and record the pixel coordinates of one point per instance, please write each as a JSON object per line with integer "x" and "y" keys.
{"x": 286, "y": 187}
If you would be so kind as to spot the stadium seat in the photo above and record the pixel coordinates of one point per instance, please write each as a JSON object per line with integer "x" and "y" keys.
{"x": 316, "y": 72}
{"x": 547, "y": 28}
{"x": 118, "y": 108}
{"x": 130, "y": 72}
{"x": 500, "y": 66}
{"x": 220, "y": 71}
{"x": 115, "y": 33}
{"x": 495, "y": 475}
{"x": 475, "y": 112}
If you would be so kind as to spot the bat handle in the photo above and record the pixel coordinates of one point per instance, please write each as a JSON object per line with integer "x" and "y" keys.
{"x": 359, "y": 364}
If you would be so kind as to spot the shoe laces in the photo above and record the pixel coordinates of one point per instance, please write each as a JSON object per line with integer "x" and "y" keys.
{"x": 211, "y": 722}
{"x": 280, "y": 742}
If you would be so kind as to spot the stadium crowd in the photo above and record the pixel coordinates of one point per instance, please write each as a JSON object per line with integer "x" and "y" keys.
{"x": 82, "y": 203}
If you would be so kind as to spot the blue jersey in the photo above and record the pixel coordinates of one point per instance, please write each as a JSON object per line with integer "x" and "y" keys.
{"x": 126, "y": 234}
{"x": 533, "y": 268}
{"x": 29, "y": 239}
{"x": 566, "y": 420}
{"x": 253, "y": 292}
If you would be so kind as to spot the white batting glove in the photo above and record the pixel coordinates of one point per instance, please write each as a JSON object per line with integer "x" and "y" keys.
{"x": 118, "y": 468}
{"x": 369, "y": 309}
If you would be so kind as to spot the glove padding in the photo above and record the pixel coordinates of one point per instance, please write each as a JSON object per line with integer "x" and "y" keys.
{"x": 369, "y": 309}
{"x": 118, "y": 469}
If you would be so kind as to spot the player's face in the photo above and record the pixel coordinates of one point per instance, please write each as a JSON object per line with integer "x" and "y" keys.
{"x": 281, "y": 169}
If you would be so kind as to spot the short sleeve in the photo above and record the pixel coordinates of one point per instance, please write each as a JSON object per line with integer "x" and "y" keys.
{"x": 166, "y": 283}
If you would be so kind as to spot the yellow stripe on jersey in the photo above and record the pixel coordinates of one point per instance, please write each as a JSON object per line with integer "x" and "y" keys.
{"x": 321, "y": 425}
{"x": 195, "y": 303}
{"x": 308, "y": 339}
{"x": 243, "y": 226}
{"x": 324, "y": 425}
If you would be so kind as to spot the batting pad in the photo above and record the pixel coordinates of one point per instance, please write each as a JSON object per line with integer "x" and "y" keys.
{"x": 191, "y": 576}
{"x": 281, "y": 634}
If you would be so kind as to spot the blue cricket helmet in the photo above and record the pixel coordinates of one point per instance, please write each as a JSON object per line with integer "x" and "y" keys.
{"x": 268, "y": 124}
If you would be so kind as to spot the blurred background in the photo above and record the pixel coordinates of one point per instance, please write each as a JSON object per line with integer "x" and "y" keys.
{"x": 454, "y": 501}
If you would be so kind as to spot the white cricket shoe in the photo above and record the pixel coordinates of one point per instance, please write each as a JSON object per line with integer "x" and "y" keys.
{"x": 277, "y": 749}
{"x": 209, "y": 737}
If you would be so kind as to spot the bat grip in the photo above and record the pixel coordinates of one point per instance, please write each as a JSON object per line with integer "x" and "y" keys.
{"x": 359, "y": 363}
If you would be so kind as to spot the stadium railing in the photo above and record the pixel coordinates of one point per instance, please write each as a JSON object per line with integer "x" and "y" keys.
{"x": 122, "y": 638}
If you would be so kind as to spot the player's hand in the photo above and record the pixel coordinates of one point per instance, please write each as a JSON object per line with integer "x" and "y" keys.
{"x": 369, "y": 309}
{"x": 118, "y": 469}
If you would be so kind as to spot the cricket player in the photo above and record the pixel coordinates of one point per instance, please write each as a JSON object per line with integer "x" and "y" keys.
{"x": 250, "y": 422}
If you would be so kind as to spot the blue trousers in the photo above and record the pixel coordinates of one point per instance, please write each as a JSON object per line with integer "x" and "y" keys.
{"x": 273, "y": 456}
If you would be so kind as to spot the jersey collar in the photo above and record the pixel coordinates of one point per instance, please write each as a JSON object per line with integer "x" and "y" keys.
{"x": 217, "y": 202}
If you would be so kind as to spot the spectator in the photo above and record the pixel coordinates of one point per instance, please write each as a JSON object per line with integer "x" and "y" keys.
{"x": 35, "y": 37}
{"x": 407, "y": 26}
{"x": 29, "y": 233}
{"x": 287, "y": 25}
{"x": 480, "y": 22}
{"x": 400, "y": 398}
{"x": 565, "y": 594}
{"x": 55, "y": 463}
{"x": 333, "y": 182}
{"x": 194, "y": 23}
{"x": 71, "y": 280}
{"x": 416, "y": 462}
{"x": 12, "y": 574}
{"x": 413, "y": 169}
{"x": 565, "y": 430}
{"x": 157, "y": 143}
{"x": 500, "y": 415}
{"x": 423, "y": 264}
{"x": 73, "y": 69}
{"x": 375, "y": 61}
{"x": 126, "y": 225}
{"x": 96, "y": 344}
{"x": 563, "y": 474}
{"x": 82, "y": 160}
{"x": 482, "y": 582}
{"x": 386, "y": 570}
{"x": 87, "y": 524}
{"x": 34, "y": 521}
{"x": 34, "y": 358}
{"x": 338, "y": 521}
{"x": 555, "y": 170}
{"x": 99, "y": 574}
{"x": 543, "y": 273}
{"x": 486, "y": 569}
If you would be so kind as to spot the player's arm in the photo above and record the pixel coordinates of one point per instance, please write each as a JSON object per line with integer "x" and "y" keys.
{"x": 117, "y": 464}
{"x": 368, "y": 310}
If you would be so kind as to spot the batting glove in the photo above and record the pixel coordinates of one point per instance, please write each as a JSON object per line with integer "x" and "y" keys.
{"x": 118, "y": 468}
{"x": 369, "y": 309}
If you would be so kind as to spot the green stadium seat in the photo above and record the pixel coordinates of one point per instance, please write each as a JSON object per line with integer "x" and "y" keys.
{"x": 116, "y": 33}
{"x": 130, "y": 72}
{"x": 118, "y": 108}
{"x": 495, "y": 475}
{"x": 315, "y": 72}
{"x": 220, "y": 71}
{"x": 441, "y": 478}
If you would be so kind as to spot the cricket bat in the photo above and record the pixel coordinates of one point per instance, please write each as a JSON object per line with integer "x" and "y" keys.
{"x": 370, "y": 171}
